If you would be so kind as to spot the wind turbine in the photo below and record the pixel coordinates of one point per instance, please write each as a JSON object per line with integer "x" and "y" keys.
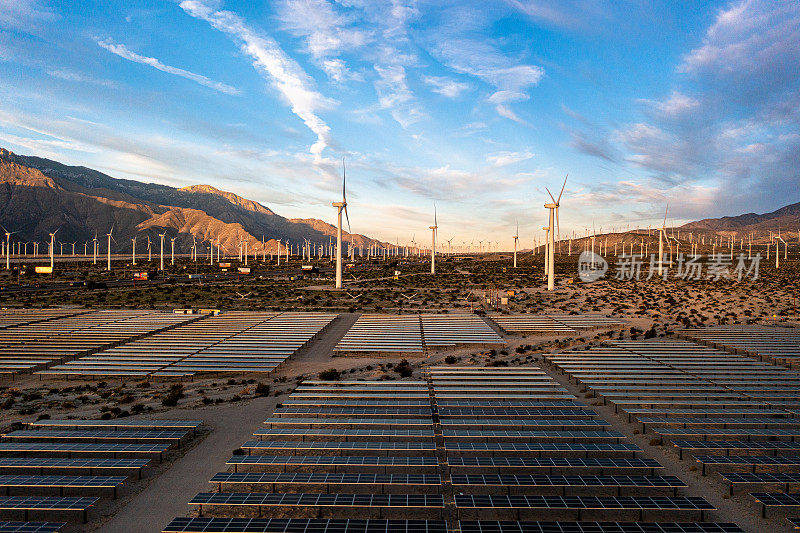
{"x": 52, "y": 249}
{"x": 8, "y": 247}
{"x": 161, "y": 264}
{"x": 341, "y": 206}
{"x": 133, "y": 251}
{"x": 516, "y": 238}
{"x": 433, "y": 241}
{"x": 551, "y": 259}
{"x": 662, "y": 234}
{"x": 172, "y": 251}
{"x": 94, "y": 252}
{"x": 109, "y": 247}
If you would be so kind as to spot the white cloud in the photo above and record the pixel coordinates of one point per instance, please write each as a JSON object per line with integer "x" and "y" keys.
{"x": 23, "y": 13}
{"x": 394, "y": 94}
{"x": 327, "y": 33}
{"x": 446, "y": 86}
{"x": 503, "y": 159}
{"x": 122, "y": 51}
{"x": 482, "y": 60}
{"x": 677, "y": 105}
{"x": 273, "y": 63}
{"x": 71, "y": 75}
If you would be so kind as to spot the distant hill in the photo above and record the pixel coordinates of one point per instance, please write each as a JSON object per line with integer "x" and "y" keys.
{"x": 786, "y": 219}
{"x": 38, "y": 196}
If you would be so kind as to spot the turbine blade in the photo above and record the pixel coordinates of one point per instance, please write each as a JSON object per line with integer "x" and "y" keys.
{"x": 551, "y": 194}
{"x": 348, "y": 221}
{"x": 558, "y": 226}
{"x": 344, "y": 183}
{"x": 562, "y": 188}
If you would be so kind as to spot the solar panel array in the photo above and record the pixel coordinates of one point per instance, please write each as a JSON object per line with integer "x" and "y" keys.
{"x": 10, "y": 318}
{"x": 768, "y": 343}
{"x": 231, "y": 342}
{"x": 407, "y": 472}
{"x": 65, "y": 471}
{"x": 552, "y": 324}
{"x": 36, "y": 344}
{"x": 375, "y": 334}
{"x": 737, "y": 415}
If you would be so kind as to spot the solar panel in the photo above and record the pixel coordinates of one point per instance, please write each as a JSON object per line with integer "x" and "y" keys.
{"x": 576, "y": 481}
{"x": 327, "y": 445}
{"x": 582, "y": 435}
{"x": 31, "y": 527}
{"x": 61, "y": 481}
{"x": 54, "y": 503}
{"x": 326, "y": 478}
{"x": 80, "y": 447}
{"x": 318, "y": 500}
{"x": 501, "y": 526}
{"x": 551, "y": 462}
{"x": 94, "y": 434}
{"x": 303, "y": 525}
{"x": 54, "y": 462}
{"x": 334, "y": 460}
{"x": 583, "y": 502}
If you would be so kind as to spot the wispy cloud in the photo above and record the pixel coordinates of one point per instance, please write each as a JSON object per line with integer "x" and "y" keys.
{"x": 446, "y": 86}
{"x": 273, "y": 63}
{"x": 509, "y": 78}
{"x": 21, "y": 14}
{"x": 503, "y": 159}
{"x": 71, "y": 75}
{"x": 326, "y": 34}
{"x": 122, "y": 51}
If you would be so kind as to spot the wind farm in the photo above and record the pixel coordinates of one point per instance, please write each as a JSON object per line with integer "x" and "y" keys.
{"x": 299, "y": 267}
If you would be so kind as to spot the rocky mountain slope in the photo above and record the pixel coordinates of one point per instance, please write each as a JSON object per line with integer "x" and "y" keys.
{"x": 38, "y": 196}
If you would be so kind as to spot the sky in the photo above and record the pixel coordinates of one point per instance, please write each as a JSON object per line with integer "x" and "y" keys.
{"x": 476, "y": 108}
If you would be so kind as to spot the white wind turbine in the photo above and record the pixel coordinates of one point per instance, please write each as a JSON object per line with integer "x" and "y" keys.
{"x": 109, "y": 247}
{"x": 341, "y": 206}
{"x": 551, "y": 259}
{"x": 52, "y": 249}
{"x": 662, "y": 234}
{"x": 172, "y": 251}
{"x": 161, "y": 264}
{"x": 94, "y": 250}
{"x": 8, "y": 247}
{"x": 516, "y": 238}
{"x": 433, "y": 241}
{"x": 779, "y": 240}
{"x": 133, "y": 250}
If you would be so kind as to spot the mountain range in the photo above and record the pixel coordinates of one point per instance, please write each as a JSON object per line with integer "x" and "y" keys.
{"x": 39, "y": 195}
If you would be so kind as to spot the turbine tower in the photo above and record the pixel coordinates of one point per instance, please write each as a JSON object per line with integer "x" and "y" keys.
{"x": 52, "y": 249}
{"x": 341, "y": 206}
{"x": 133, "y": 251}
{"x": 551, "y": 240}
{"x": 662, "y": 234}
{"x": 433, "y": 241}
{"x": 8, "y": 248}
{"x": 161, "y": 264}
{"x": 516, "y": 238}
{"x": 109, "y": 248}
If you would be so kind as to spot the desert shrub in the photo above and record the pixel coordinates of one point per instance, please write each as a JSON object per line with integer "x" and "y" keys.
{"x": 329, "y": 375}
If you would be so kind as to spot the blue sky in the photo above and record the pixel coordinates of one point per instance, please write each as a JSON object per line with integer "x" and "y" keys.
{"x": 473, "y": 106}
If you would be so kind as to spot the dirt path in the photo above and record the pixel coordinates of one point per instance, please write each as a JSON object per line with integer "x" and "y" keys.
{"x": 167, "y": 496}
